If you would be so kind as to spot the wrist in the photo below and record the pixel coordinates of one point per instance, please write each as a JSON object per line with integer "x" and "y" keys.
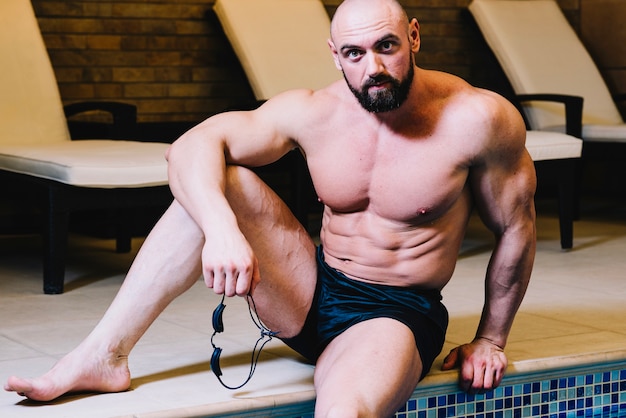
{"x": 490, "y": 341}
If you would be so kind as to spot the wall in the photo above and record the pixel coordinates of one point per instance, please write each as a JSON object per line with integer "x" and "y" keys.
{"x": 603, "y": 30}
{"x": 171, "y": 59}
{"x": 167, "y": 57}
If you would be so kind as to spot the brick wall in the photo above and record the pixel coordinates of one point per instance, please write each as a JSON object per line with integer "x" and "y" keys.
{"x": 171, "y": 59}
{"x": 167, "y": 57}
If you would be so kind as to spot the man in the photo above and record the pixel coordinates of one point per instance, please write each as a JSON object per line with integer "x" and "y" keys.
{"x": 399, "y": 156}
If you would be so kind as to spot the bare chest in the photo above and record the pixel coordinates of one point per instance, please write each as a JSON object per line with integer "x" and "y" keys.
{"x": 399, "y": 179}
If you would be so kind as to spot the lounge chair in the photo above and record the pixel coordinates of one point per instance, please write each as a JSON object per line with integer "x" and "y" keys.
{"x": 38, "y": 156}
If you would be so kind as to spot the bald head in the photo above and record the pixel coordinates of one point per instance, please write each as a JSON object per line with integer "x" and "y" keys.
{"x": 353, "y": 15}
{"x": 373, "y": 42}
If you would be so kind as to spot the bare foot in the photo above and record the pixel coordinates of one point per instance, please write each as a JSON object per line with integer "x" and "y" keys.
{"x": 75, "y": 373}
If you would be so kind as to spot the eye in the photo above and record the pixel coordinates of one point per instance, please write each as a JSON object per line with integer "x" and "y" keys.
{"x": 353, "y": 54}
{"x": 387, "y": 46}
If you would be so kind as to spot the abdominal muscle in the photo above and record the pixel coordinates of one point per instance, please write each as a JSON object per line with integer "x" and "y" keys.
{"x": 367, "y": 247}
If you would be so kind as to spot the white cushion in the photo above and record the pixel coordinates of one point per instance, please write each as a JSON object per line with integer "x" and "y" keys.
{"x": 604, "y": 133}
{"x": 540, "y": 53}
{"x": 90, "y": 163}
{"x": 34, "y": 137}
{"x": 281, "y": 44}
{"x": 542, "y": 145}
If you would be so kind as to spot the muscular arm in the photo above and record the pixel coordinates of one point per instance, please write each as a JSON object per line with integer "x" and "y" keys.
{"x": 197, "y": 177}
{"x": 503, "y": 183}
{"x": 504, "y": 188}
{"x": 197, "y": 160}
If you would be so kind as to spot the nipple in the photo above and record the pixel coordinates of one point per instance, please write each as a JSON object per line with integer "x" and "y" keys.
{"x": 423, "y": 211}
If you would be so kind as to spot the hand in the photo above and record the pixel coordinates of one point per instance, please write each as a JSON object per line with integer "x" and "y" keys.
{"x": 482, "y": 365}
{"x": 229, "y": 265}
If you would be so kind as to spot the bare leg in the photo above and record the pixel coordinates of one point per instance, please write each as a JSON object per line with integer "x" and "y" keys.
{"x": 166, "y": 265}
{"x": 285, "y": 251}
{"x": 374, "y": 365}
{"x": 169, "y": 264}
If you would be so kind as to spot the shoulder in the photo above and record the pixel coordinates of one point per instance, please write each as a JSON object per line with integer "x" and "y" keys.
{"x": 486, "y": 108}
{"x": 483, "y": 105}
{"x": 302, "y": 100}
{"x": 498, "y": 135}
{"x": 487, "y": 129}
{"x": 503, "y": 128}
{"x": 493, "y": 124}
{"x": 298, "y": 111}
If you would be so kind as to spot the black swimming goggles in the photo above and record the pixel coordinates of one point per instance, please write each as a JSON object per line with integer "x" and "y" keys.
{"x": 218, "y": 327}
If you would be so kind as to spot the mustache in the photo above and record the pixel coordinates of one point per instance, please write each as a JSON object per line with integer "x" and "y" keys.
{"x": 373, "y": 81}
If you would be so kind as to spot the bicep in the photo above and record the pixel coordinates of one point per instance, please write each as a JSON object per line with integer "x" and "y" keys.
{"x": 250, "y": 138}
{"x": 504, "y": 187}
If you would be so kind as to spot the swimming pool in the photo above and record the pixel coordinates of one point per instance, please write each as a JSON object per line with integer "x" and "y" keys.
{"x": 587, "y": 389}
{"x": 586, "y": 386}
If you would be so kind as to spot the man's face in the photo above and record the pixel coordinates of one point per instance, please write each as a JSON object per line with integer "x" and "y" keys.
{"x": 382, "y": 92}
{"x": 374, "y": 48}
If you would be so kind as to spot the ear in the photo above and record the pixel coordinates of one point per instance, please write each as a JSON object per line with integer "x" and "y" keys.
{"x": 414, "y": 35}
{"x": 333, "y": 50}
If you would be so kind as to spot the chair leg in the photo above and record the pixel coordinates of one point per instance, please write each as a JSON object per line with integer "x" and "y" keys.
{"x": 123, "y": 232}
{"x": 578, "y": 186}
{"x": 568, "y": 202}
{"x": 55, "y": 249}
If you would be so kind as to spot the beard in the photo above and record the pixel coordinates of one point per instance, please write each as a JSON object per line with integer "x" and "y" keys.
{"x": 388, "y": 99}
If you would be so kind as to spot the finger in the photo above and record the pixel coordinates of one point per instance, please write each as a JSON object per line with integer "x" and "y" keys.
{"x": 245, "y": 280}
{"x": 488, "y": 379}
{"x": 208, "y": 279}
{"x": 451, "y": 360}
{"x": 497, "y": 377}
{"x": 467, "y": 376}
{"x": 231, "y": 277}
{"x": 499, "y": 370}
{"x": 218, "y": 279}
{"x": 477, "y": 379}
{"x": 256, "y": 276}
{"x": 480, "y": 378}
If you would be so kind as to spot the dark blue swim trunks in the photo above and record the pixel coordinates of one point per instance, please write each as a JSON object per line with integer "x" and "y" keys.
{"x": 341, "y": 302}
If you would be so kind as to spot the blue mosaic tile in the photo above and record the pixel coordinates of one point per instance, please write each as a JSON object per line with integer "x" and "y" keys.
{"x": 593, "y": 395}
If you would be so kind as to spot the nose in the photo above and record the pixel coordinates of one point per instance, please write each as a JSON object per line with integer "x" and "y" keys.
{"x": 374, "y": 65}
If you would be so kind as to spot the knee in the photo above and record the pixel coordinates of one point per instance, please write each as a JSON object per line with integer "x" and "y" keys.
{"x": 344, "y": 411}
{"x": 344, "y": 408}
{"x": 247, "y": 194}
{"x": 237, "y": 173}
{"x": 241, "y": 181}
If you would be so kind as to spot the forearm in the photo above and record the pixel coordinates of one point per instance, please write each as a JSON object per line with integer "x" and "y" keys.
{"x": 506, "y": 282}
{"x": 196, "y": 171}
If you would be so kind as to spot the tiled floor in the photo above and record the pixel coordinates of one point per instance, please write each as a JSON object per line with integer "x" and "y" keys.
{"x": 574, "y": 306}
